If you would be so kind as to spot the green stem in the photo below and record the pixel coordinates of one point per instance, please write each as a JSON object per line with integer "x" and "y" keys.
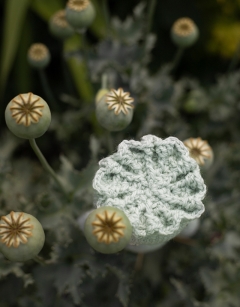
{"x": 104, "y": 80}
{"x": 110, "y": 142}
{"x": 47, "y": 89}
{"x": 177, "y": 58}
{"x": 151, "y": 11}
{"x": 235, "y": 59}
{"x": 39, "y": 260}
{"x": 45, "y": 165}
{"x": 106, "y": 15}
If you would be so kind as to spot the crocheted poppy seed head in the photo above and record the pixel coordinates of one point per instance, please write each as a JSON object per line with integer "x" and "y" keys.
{"x": 157, "y": 185}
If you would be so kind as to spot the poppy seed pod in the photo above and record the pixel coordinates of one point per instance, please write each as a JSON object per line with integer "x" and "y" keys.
{"x": 38, "y": 56}
{"x": 107, "y": 229}
{"x": 200, "y": 151}
{"x": 21, "y": 236}
{"x": 100, "y": 94}
{"x": 28, "y": 116}
{"x": 114, "y": 110}
{"x": 184, "y": 32}
{"x": 59, "y": 26}
{"x": 80, "y": 13}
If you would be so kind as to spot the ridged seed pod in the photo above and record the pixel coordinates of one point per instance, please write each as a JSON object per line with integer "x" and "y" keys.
{"x": 184, "y": 32}
{"x": 28, "y": 116}
{"x": 107, "y": 229}
{"x": 38, "y": 56}
{"x": 59, "y": 27}
{"x": 114, "y": 110}
{"x": 200, "y": 151}
{"x": 80, "y": 13}
{"x": 21, "y": 236}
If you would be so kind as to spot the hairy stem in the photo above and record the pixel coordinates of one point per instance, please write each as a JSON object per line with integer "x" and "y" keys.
{"x": 47, "y": 89}
{"x": 151, "y": 11}
{"x": 45, "y": 165}
{"x": 104, "y": 80}
{"x": 177, "y": 58}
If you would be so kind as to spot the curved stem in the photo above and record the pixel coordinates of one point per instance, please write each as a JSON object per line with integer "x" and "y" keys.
{"x": 47, "y": 89}
{"x": 39, "y": 260}
{"x": 151, "y": 11}
{"x": 177, "y": 58}
{"x": 106, "y": 15}
{"x": 110, "y": 142}
{"x": 45, "y": 165}
{"x": 104, "y": 80}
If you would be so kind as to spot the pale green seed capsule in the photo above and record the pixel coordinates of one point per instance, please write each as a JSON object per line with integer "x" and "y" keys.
{"x": 80, "y": 13}
{"x": 184, "y": 32}
{"x": 28, "y": 116}
{"x": 100, "y": 94}
{"x": 200, "y": 151}
{"x": 38, "y": 56}
{"x": 114, "y": 110}
{"x": 59, "y": 27}
{"x": 108, "y": 230}
{"x": 21, "y": 236}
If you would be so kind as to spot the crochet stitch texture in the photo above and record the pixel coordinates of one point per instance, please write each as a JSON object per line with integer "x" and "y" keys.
{"x": 157, "y": 185}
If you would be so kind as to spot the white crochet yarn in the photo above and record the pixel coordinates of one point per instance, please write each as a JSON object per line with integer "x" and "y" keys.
{"x": 157, "y": 185}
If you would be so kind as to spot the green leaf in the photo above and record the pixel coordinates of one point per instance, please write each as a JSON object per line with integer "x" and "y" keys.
{"x": 15, "y": 12}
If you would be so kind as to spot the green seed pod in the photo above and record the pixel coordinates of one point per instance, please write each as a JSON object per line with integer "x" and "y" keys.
{"x": 100, "y": 94}
{"x": 114, "y": 110}
{"x": 184, "y": 32}
{"x": 28, "y": 116}
{"x": 200, "y": 151}
{"x": 21, "y": 236}
{"x": 80, "y": 13}
{"x": 107, "y": 229}
{"x": 38, "y": 56}
{"x": 59, "y": 27}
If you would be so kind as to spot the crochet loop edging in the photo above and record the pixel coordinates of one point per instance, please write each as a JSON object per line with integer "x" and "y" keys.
{"x": 156, "y": 183}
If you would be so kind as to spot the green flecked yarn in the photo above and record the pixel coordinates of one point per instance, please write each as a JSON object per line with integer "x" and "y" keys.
{"x": 35, "y": 129}
{"x": 109, "y": 120}
{"x": 80, "y": 19}
{"x": 157, "y": 185}
{"x": 25, "y": 251}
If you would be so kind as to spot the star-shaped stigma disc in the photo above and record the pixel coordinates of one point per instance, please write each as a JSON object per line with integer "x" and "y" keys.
{"x": 198, "y": 149}
{"x": 118, "y": 100}
{"x": 108, "y": 227}
{"x": 26, "y": 109}
{"x": 15, "y": 229}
